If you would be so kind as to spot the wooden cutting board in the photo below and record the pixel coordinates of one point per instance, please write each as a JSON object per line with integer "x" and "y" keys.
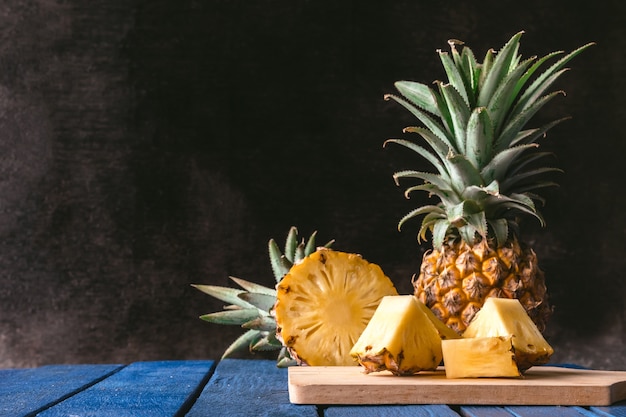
{"x": 541, "y": 385}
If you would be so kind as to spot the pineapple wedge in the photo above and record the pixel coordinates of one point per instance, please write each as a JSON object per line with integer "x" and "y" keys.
{"x": 502, "y": 317}
{"x": 400, "y": 338}
{"x": 480, "y": 357}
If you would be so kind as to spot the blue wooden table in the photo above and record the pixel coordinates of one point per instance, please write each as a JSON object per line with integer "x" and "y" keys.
{"x": 232, "y": 387}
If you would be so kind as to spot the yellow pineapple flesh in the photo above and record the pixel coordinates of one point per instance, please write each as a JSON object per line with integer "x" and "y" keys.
{"x": 399, "y": 338}
{"x": 501, "y": 317}
{"x": 325, "y": 302}
{"x": 480, "y": 357}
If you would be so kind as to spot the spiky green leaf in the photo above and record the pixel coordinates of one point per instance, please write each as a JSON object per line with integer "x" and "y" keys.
{"x": 470, "y": 69}
{"x": 500, "y": 228}
{"x": 232, "y": 317}
{"x": 463, "y": 173}
{"x": 533, "y": 135}
{"x": 284, "y": 359}
{"x": 547, "y": 77}
{"x": 440, "y": 147}
{"x": 459, "y": 114}
{"x": 530, "y": 99}
{"x": 485, "y": 68}
{"x": 226, "y": 294}
{"x": 428, "y": 222}
{"x": 535, "y": 186}
{"x": 280, "y": 265}
{"x": 498, "y": 70}
{"x": 267, "y": 342}
{"x": 500, "y": 102}
{"x": 241, "y": 343}
{"x": 519, "y": 121}
{"x": 447, "y": 196}
{"x": 428, "y": 121}
{"x": 497, "y": 168}
{"x": 419, "y": 94}
{"x": 263, "y": 302}
{"x": 254, "y": 287}
{"x": 511, "y": 183}
{"x": 479, "y": 137}
{"x": 435, "y": 179}
{"x": 433, "y": 159}
{"x": 454, "y": 76}
{"x": 526, "y": 160}
{"x": 440, "y": 229}
{"x": 310, "y": 246}
{"x": 478, "y": 222}
{"x": 291, "y": 243}
{"x": 507, "y": 206}
{"x": 420, "y": 211}
{"x": 457, "y": 214}
{"x": 528, "y": 74}
{"x": 264, "y": 323}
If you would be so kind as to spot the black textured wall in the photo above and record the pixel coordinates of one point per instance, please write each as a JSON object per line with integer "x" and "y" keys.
{"x": 147, "y": 145}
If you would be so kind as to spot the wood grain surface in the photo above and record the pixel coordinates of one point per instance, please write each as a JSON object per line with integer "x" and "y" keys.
{"x": 545, "y": 385}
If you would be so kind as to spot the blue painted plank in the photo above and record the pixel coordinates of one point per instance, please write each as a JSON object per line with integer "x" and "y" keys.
{"x": 483, "y": 411}
{"x": 390, "y": 411}
{"x": 549, "y": 411}
{"x": 615, "y": 410}
{"x": 142, "y": 389}
{"x": 248, "y": 387}
{"x": 24, "y": 392}
{"x": 525, "y": 411}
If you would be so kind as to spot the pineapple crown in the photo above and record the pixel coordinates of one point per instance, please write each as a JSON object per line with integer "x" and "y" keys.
{"x": 475, "y": 127}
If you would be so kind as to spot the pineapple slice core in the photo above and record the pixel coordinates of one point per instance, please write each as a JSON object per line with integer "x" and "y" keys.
{"x": 324, "y": 303}
{"x": 506, "y": 317}
{"x": 400, "y": 338}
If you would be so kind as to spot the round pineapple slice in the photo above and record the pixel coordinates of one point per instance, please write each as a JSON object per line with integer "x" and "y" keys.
{"x": 325, "y": 302}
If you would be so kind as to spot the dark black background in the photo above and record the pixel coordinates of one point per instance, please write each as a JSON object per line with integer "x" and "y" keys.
{"x": 148, "y": 145}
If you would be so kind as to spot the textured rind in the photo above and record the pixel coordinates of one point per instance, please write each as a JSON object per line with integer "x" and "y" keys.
{"x": 476, "y": 273}
{"x": 385, "y": 361}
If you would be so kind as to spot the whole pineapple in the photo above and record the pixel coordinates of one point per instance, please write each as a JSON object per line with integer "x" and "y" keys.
{"x": 487, "y": 175}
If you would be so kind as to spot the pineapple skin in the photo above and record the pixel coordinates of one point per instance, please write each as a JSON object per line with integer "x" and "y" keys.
{"x": 400, "y": 338}
{"x": 480, "y": 357}
{"x": 454, "y": 282}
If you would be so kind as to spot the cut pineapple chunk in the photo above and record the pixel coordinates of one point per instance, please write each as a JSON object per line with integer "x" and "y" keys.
{"x": 399, "y": 338}
{"x": 480, "y": 357}
{"x": 324, "y": 303}
{"x": 506, "y": 317}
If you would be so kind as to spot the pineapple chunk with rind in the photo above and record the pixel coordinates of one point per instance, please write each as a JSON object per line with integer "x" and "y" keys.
{"x": 399, "y": 338}
{"x": 507, "y": 317}
{"x": 480, "y": 357}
